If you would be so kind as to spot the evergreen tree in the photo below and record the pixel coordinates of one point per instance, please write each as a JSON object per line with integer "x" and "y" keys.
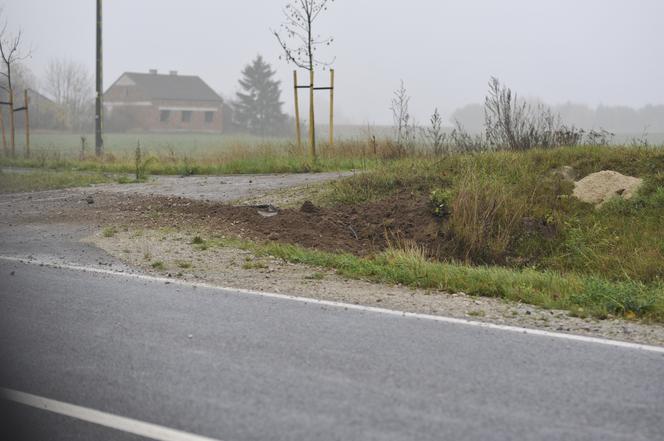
{"x": 258, "y": 107}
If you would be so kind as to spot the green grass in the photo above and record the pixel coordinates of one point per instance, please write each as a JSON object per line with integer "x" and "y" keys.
{"x": 580, "y": 294}
{"x": 178, "y": 143}
{"x": 158, "y": 265}
{"x": 254, "y": 265}
{"x": 189, "y": 154}
{"x": 109, "y": 232}
{"x": 489, "y": 194}
{"x": 183, "y": 264}
{"x": 14, "y": 182}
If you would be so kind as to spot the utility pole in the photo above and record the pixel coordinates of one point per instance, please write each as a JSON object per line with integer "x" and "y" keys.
{"x": 99, "y": 106}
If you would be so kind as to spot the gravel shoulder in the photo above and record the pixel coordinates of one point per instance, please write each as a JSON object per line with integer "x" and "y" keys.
{"x": 171, "y": 253}
{"x": 220, "y": 188}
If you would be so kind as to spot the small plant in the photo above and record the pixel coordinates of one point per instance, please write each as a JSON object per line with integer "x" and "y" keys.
{"x": 404, "y": 129}
{"x": 109, "y": 232}
{"x": 200, "y": 244}
{"x": 435, "y": 134}
{"x": 441, "y": 201}
{"x": 141, "y": 164}
{"x": 158, "y": 265}
{"x": 599, "y": 137}
{"x": 183, "y": 264}
{"x": 315, "y": 276}
{"x": 254, "y": 265}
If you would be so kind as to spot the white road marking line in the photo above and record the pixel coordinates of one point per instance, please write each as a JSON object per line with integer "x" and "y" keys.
{"x": 128, "y": 425}
{"x": 437, "y": 318}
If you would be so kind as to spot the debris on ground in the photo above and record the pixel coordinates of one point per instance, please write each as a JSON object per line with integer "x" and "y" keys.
{"x": 267, "y": 210}
{"x": 598, "y": 188}
{"x": 309, "y": 207}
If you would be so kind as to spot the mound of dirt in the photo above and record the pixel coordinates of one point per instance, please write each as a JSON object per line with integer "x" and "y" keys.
{"x": 359, "y": 229}
{"x": 598, "y": 188}
{"x": 308, "y": 207}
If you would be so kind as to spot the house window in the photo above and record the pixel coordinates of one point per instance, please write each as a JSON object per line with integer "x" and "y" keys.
{"x": 209, "y": 116}
{"x": 186, "y": 116}
{"x": 164, "y": 115}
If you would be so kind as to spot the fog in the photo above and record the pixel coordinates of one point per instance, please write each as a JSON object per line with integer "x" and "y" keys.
{"x": 592, "y": 52}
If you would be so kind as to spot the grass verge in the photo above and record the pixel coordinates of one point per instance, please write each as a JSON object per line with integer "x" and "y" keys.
{"x": 15, "y": 182}
{"x": 581, "y": 295}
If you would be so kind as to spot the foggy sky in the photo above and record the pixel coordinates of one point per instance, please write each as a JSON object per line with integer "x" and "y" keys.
{"x": 588, "y": 51}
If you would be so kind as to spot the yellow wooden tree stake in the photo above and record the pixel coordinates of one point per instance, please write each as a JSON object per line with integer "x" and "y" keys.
{"x": 331, "y": 107}
{"x": 297, "y": 114}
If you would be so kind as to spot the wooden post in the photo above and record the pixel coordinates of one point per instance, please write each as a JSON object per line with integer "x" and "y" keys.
{"x": 297, "y": 113}
{"x": 27, "y": 123}
{"x": 12, "y": 129}
{"x": 4, "y": 136}
{"x": 331, "y": 107}
{"x": 312, "y": 119}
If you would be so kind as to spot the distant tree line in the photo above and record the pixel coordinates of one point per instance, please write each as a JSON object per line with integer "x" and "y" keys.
{"x": 617, "y": 119}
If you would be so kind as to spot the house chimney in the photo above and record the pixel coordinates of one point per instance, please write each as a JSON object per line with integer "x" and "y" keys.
{"x": 153, "y": 71}
{"x": 173, "y": 72}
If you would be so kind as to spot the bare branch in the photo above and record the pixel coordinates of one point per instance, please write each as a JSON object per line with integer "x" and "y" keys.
{"x": 297, "y": 38}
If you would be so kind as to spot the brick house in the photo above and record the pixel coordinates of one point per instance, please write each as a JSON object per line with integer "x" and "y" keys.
{"x": 157, "y": 102}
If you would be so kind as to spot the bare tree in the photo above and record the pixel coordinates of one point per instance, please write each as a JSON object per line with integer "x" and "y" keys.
{"x": 11, "y": 53}
{"x": 70, "y": 85}
{"x": 300, "y": 43}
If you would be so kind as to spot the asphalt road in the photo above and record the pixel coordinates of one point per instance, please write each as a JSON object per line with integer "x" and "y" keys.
{"x": 234, "y": 366}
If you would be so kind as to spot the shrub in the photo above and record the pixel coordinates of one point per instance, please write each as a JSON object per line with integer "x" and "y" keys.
{"x": 441, "y": 202}
{"x": 486, "y": 216}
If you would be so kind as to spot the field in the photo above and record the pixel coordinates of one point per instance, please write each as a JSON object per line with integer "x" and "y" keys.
{"x": 214, "y": 154}
{"x": 186, "y": 154}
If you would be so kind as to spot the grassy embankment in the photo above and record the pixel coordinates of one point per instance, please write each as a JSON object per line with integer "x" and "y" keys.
{"x": 599, "y": 262}
{"x": 14, "y": 182}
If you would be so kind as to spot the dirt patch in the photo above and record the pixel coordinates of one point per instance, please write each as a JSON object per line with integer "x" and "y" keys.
{"x": 600, "y": 187}
{"x": 360, "y": 230}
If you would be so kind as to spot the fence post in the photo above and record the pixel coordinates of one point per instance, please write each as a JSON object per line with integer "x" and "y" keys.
{"x": 26, "y": 100}
{"x": 297, "y": 113}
